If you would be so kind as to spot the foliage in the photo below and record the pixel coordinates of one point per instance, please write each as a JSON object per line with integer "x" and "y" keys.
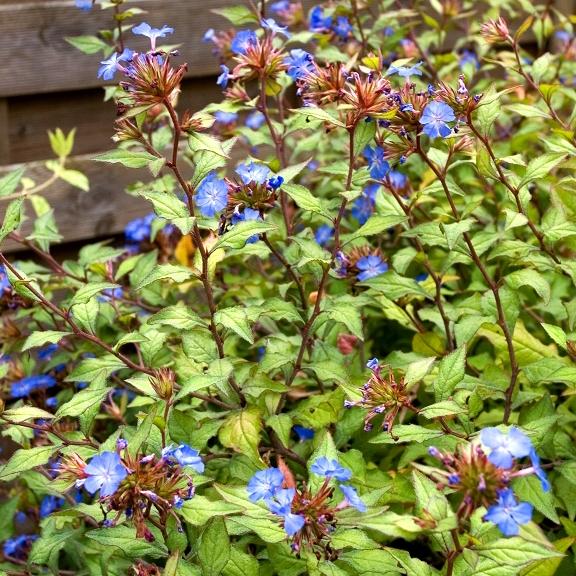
{"x": 199, "y": 399}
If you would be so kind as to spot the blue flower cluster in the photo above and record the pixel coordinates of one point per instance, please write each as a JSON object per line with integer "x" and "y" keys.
{"x": 139, "y": 229}
{"x": 18, "y": 546}
{"x": 505, "y": 449}
{"x": 267, "y": 485}
{"x": 321, "y": 24}
{"x": 25, "y": 386}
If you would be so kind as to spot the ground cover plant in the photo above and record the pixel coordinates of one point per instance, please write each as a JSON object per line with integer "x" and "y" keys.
{"x": 342, "y": 342}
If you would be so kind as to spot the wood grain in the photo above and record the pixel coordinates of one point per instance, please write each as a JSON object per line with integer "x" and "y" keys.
{"x": 101, "y": 212}
{"x": 36, "y": 58}
{"x": 30, "y": 117}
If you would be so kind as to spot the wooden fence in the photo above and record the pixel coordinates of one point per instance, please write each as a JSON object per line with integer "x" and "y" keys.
{"x": 46, "y": 83}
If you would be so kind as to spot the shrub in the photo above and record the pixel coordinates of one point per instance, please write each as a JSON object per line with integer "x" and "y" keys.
{"x": 200, "y": 399}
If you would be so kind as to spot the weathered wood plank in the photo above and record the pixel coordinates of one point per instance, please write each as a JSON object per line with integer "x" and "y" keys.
{"x": 30, "y": 117}
{"x": 4, "y": 138}
{"x": 37, "y": 59}
{"x": 104, "y": 211}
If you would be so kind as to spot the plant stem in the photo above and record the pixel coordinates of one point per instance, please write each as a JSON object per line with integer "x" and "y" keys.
{"x": 324, "y": 279}
{"x": 494, "y": 287}
{"x": 197, "y": 237}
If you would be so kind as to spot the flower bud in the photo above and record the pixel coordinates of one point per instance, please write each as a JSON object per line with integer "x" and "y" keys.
{"x": 163, "y": 383}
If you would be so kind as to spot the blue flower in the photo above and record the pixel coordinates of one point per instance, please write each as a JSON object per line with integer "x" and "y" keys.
{"x": 507, "y": 514}
{"x": 324, "y": 234}
{"x": 342, "y": 28}
{"x": 352, "y": 497}
{"x": 211, "y": 195}
{"x": 370, "y": 267}
{"x": 108, "y": 67}
{"x": 17, "y": 547}
{"x": 139, "y": 229}
{"x": 264, "y": 484}
{"x": 209, "y": 35}
{"x": 252, "y": 172}
{"x": 299, "y": 62}
{"x": 378, "y": 165}
{"x": 225, "y": 117}
{"x": 145, "y": 29}
{"x": 293, "y": 523}
{"x": 224, "y": 77}
{"x": 275, "y": 182}
{"x": 505, "y": 447}
{"x": 405, "y": 71}
{"x": 281, "y": 502}
{"x": 468, "y": 58}
{"x": 280, "y": 6}
{"x": 372, "y": 364}
{"x": 85, "y": 5}
{"x": 105, "y": 473}
{"x": 270, "y": 24}
{"x": 52, "y": 402}
{"x": 539, "y": 471}
{"x": 242, "y": 41}
{"x": 362, "y": 209}
{"x": 25, "y": 386}
{"x": 185, "y": 456}
{"x": 111, "y": 294}
{"x": 421, "y": 277}
{"x": 397, "y": 179}
{"x": 435, "y": 118}
{"x": 330, "y": 469}
{"x": 5, "y": 285}
{"x": 317, "y": 22}
{"x": 304, "y": 433}
{"x": 255, "y": 120}
{"x": 47, "y": 352}
{"x": 50, "y": 504}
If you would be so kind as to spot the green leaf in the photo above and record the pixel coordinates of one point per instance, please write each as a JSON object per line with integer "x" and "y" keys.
{"x": 304, "y": 198}
{"x": 82, "y": 402}
{"x": 407, "y": 433}
{"x": 87, "y": 44}
{"x": 25, "y": 459}
{"x": 450, "y": 373}
{"x": 235, "y": 319}
{"x": 12, "y": 218}
{"x": 282, "y": 425}
{"x": 291, "y": 172}
{"x": 269, "y": 530}
{"x": 133, "y": 159}
{"x": 540, "y": 167}
{"x": 124, "y": 539}
{"x": 40, "y": 338}
{"x": 178, "y": 317}
{"x": 214, "y": 550}
{"x": 237, "y": 15}
{"x": 10, "y": 182}
{"x": 375, "y": 225}
{"x": 88, "y": 292}
{"x": 515, "y": 552}
{"x": 166, "y": 204}
{"x": 23, "y": 413}
{"x": 172, "y": 272}
{"x": 200, "y": 509}
{"x": 45, "y": 550}
{"x": 444, "y": 408}
{"x": 529, "y": 489}
{"x": 241, "y": 432}
{"x": 530, "y": 278}
{"x": 241, "y": 564}
{"x": 142, "y": 434}
{"x": 199, "y": 142}
{"x": 237, "y": 236}
{"x": 431, "y": 502}
{"x": 319, "y": 114}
